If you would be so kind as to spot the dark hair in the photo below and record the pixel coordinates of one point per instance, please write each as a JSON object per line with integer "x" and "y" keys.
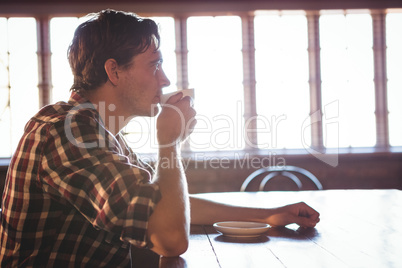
{"x": 109, "y": 34}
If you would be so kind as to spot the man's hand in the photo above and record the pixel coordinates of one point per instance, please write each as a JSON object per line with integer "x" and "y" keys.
{"x": 176, "y": 120}
{"x": 299, "y": 213}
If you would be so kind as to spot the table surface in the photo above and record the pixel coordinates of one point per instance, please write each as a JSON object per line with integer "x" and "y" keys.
{"x": 358, "y": 228}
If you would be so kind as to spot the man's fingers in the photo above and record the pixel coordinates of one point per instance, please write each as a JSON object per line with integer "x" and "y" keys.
{"x": 306, "y": 222}
{"x": 306, "y": 215}
{"x": 307, "y": 211}
{"x": 175, "y": 98}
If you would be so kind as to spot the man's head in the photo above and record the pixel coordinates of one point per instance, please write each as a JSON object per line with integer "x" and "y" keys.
{"x": 107, "y": 35}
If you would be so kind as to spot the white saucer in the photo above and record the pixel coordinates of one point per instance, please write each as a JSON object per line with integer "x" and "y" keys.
{"x": 241, "y": 228}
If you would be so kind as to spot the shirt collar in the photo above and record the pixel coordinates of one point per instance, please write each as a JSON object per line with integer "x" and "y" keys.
{"x": 77, "y": 99}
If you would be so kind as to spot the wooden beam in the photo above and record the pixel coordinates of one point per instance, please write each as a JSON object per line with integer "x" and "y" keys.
{"x": 44, "y": 61}
{"x": 380, "y": 78}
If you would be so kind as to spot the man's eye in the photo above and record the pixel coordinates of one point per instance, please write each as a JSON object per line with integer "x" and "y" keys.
{"x": 157, "y": 66}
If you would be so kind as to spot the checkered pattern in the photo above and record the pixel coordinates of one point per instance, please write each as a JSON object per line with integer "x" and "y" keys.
{"x": 74, "y": 195}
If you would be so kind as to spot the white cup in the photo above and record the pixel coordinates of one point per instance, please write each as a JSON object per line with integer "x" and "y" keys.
{"x": 186, "y": 92}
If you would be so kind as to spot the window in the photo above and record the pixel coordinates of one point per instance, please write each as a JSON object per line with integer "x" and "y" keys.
{"x": 241, "y": 65}
{"x": 61, "y": 34}
{"x": 394, "y": 71}
{"x": 283, "y": 102}
{"x": 19, "y": 96}
{"x": 168, "y": 47}
{"x": 215, "y": 71}
{"x": 347, "y": 74}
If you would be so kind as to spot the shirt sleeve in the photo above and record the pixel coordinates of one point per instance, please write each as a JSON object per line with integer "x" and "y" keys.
{"x": 83, "y": 167}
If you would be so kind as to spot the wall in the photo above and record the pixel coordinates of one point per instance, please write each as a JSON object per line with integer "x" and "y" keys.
{"x": 379, "y": 170}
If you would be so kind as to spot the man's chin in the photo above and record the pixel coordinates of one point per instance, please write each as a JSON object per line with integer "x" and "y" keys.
{"x": 155, "y": 110}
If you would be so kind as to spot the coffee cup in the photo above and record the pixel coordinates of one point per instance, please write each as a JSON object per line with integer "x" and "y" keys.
{"x": 186, "y": 92}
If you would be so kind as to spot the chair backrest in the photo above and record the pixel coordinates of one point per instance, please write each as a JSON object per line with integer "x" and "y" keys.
{"x": 290, "y": 172}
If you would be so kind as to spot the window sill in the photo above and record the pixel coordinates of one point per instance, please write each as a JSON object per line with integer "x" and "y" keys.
{"x": 4, "y": 163}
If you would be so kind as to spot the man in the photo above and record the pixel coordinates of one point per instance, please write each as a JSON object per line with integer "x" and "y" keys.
{"x": 76, "y": 195}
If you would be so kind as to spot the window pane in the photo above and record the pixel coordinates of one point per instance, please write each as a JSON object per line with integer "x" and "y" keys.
{"x": 5, "y": 133}
{"x": 216, "y": 72}
{"x": 61, "y": 34}
{"x": 347, "y": 78}
{"x": 394, "y": 71}
{"x": 283, "y": 102}
{"x": 168, "y": 47}
{"x": 140, "y": 132}
{"x": 18, "y": 89}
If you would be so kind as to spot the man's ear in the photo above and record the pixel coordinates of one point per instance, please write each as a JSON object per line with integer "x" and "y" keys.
{"x": 112, "y": 68}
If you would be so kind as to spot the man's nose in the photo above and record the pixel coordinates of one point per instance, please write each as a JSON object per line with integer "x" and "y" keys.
{"x": 165, "y": 82}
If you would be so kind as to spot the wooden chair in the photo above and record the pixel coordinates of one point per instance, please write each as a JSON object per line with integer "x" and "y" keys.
{"x": 290, "y": 172}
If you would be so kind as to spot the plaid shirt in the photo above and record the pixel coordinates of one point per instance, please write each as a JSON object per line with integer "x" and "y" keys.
{"x": 74, "y": 196}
